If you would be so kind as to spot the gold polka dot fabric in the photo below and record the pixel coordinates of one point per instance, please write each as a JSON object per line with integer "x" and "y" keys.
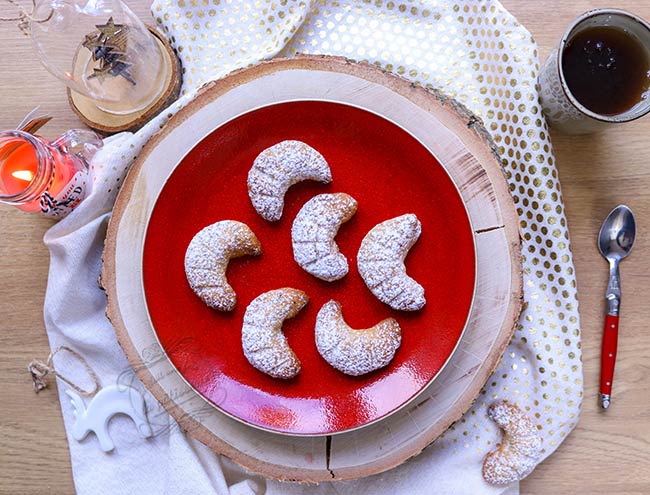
{"x": 478, "y": 53}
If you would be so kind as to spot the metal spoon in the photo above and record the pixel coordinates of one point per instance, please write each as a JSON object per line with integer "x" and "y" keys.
{"x": 615, "y": 242}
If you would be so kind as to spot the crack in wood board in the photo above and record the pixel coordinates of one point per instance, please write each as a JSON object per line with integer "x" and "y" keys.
{"x": 489, "y": 229}
{"x": 328, "y": 453}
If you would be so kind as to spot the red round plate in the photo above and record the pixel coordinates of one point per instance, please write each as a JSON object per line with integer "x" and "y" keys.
{"x": 389, "y": 173}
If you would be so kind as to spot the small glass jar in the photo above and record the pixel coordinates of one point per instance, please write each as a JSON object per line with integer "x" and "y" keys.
{"x": 44, "y": 177}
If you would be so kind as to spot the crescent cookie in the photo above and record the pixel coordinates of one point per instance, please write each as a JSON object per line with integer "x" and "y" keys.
{"x": 520, "y": 449}
{"x": 278, "y": 168}
{"x": 355, "y": 352}
{"x": 381, "y": 263}
{"x": 264, "y": 344}
{"x": 207, "y": 257}
{"x": 313, "y": 232}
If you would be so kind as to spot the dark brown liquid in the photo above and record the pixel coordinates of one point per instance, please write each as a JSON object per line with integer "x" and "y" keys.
{"x": 606, "y": 69}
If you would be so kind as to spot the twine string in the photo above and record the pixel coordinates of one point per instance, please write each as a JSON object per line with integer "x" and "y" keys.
{"x": 39, "y": 371}
{"x": 24, "y": 18}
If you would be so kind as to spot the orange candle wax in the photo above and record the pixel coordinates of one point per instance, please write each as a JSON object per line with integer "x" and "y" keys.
{"x": 36, "y": 176}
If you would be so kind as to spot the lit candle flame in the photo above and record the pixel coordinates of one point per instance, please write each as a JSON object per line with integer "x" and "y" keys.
{"x": 25, "y": 175}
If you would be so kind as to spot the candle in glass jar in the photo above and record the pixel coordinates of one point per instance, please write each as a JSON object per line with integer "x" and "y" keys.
{"x": 19, "y": 168}
{"x": 38, "y": 176}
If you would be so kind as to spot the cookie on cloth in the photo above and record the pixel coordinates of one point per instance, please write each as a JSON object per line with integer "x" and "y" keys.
{"x": 520, "y": 449}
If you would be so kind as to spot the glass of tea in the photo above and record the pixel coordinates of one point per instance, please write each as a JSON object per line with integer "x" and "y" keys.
{"x": 599, "y": 74}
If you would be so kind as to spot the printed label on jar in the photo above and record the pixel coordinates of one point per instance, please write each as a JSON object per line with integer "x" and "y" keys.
{"x": 70, "y": 196}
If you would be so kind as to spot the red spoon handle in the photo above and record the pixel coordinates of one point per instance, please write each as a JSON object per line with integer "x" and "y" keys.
{"x": 608, "y": 357}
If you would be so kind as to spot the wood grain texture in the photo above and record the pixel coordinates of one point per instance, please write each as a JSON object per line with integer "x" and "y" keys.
{"x": 607, "y": 453}
{"x": 107, "y": 123}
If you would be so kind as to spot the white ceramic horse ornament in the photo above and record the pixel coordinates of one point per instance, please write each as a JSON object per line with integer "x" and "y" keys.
{"x": 109, "y": 401}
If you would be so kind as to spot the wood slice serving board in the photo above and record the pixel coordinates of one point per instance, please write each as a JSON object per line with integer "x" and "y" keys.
{"x": 459, "y": 143}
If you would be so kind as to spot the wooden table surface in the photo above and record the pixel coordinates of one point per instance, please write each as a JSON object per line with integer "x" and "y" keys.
{"x": 608, "y": 453}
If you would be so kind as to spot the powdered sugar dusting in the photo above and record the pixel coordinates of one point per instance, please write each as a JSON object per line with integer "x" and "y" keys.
{"x": 279, "y": 167}
{"x": 207, "y": 257}
{"x": 355, "y": 352}
{"x": 520, "y": 450}
{"x": 313, "y": 233}
{"x": 263, "y": 342}
{"x": 381, "y": 263}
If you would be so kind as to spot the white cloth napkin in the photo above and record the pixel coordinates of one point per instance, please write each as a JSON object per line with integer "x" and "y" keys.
{"x": 474, "y": 51}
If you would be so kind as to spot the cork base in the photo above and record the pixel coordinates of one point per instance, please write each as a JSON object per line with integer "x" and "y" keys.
{"x": 109, "y": 123}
